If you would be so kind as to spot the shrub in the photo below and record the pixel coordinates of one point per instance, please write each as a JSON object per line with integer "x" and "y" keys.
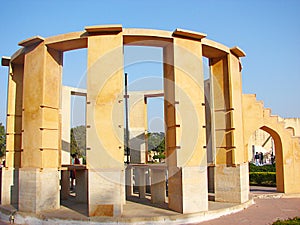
{"x": 263, "y": 178}
{"x": 293, "y": 221}
{"x": 264, "y": 168}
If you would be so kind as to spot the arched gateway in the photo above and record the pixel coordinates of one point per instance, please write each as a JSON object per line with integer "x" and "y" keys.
{"x": 31, "y": 177}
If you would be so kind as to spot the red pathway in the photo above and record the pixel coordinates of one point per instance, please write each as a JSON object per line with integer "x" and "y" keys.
{"x": 263, "y": 212}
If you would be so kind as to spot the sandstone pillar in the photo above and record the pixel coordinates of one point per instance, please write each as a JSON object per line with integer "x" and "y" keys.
{"x": 141, "y": 180}
{"x": 65, "y": 125}
{"x": 10, "y": 173}
{"x": 105, "y": 123}
{"x": 185, "y": 119}
{"x": 158, "y": 185}
{"x": 137, "y": 127}
{"x": 129, "y": 181}
{"x": 39, "y": 175}
{"x": 231, "y": 169}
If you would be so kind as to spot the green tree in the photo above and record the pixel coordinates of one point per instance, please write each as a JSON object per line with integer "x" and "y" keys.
{"x": 74, "y": 146}
{"x": 2, "y": 140}
{"x": 78, "y": 141}
{"x": 79, "y": 133}
{"x": 156, "y": 143}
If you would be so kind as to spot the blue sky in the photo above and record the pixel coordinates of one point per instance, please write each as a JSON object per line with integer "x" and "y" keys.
{"x": 268, "y": 31}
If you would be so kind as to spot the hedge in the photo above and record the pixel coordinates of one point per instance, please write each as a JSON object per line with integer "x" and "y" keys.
{"x": 295, "y": 220}
{"x": 264, "y": 168}
{"x": 263, "y": 178}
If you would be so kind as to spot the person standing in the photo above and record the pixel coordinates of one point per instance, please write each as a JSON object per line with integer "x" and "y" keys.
{"x": 256, "y": 157}
{"x": 74, "y": 161}
{"x": 261, "y": 158}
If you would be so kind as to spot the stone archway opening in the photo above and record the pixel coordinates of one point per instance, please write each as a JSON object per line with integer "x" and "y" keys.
{"x": 265, "y": 161}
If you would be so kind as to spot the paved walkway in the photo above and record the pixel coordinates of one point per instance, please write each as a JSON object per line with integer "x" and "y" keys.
{"x": 269, "y": 206}
{"x": 263, "y": 212}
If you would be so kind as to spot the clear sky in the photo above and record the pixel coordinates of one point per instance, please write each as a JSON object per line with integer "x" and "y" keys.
{"x": 267, "y": 30}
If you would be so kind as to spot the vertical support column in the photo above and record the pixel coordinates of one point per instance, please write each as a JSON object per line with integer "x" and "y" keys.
{"x": 81, "y": 186}
{"x": 65, "y": 124}
{"x": 141, "y": 181}
{"x": 187, "y": 163}
{"x": 222, "y": 110}
{"x": 158, "y": 184}
{"x": 10, "y": 174}
{"x": 231, "y": 171}
{"x": 129, "y": 181}
{"x": 105, "y": 122}
{"x": 65, "y": 184}
{"x": 39, "y": 175}
{"x": 137, "y": 127}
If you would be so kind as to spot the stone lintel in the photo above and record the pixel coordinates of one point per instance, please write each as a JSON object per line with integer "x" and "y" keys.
{"x": 31, "y": 41}
{"x": 5, "y": 61}
{"x": 237, "y": 51}
{"x": 113, "y": 28}
{"x": 189, "y": 34}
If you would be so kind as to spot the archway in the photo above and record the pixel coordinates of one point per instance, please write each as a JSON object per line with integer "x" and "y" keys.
{"x": 255, "y": 117}
{"x": 279, "y": 158}
{"x": 264, "y": 146}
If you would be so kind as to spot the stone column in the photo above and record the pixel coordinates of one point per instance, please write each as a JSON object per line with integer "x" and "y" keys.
{"x": 137, "y": 127}
{"x": 129, "y": 181}
{"x": 81, "y": 186}
{"x": 141, "y": 180}
{"x": 10, "y": 174}
{"x": 231, "y": 170}
{"x": 185, "y": 119}
{"x": 105, "y": 123}
{"x": 39, "y": 175}
{"x": 65, "y": 124}
{"x": 65, "y": 184}
{"x": 158, "y": 184}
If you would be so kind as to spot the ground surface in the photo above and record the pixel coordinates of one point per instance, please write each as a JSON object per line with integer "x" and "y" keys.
{"x": 264, "y": 211}
{"x": 269, "y": 206}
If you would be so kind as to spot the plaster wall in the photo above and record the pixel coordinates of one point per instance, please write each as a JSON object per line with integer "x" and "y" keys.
{"x": 287, "y": 148}
{"x": 293, "y": 123}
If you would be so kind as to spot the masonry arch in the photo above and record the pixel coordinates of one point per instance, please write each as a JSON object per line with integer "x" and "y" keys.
{"x": 279, "y": 157}
{"x": 291, "y": 130}
{"x": 287, "y": 148}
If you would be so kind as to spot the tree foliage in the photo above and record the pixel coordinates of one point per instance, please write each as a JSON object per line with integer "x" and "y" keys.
{"x": 2, "y": 140}
{"x": 156, "y": 143}
{"x": 78, "y": 140}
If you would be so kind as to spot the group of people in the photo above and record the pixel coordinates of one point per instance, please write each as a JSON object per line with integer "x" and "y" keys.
{"x": 259, "y": 158}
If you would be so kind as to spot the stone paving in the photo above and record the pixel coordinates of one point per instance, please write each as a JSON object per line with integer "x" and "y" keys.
{"x": 268, "y": 207}
{"x": 263, "y": 212}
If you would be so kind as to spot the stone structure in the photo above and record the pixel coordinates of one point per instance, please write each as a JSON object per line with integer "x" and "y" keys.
{"x": 35, "y": 129}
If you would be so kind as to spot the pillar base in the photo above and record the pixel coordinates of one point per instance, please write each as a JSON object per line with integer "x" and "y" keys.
{"x": 106, "y": 192}
{"x": 10, "y": 187}
{"x": 39, "y": 189}
{"x": 158, "y": 185}
{"x": 188, "y": 190}
{"x": 232, "y": 183}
